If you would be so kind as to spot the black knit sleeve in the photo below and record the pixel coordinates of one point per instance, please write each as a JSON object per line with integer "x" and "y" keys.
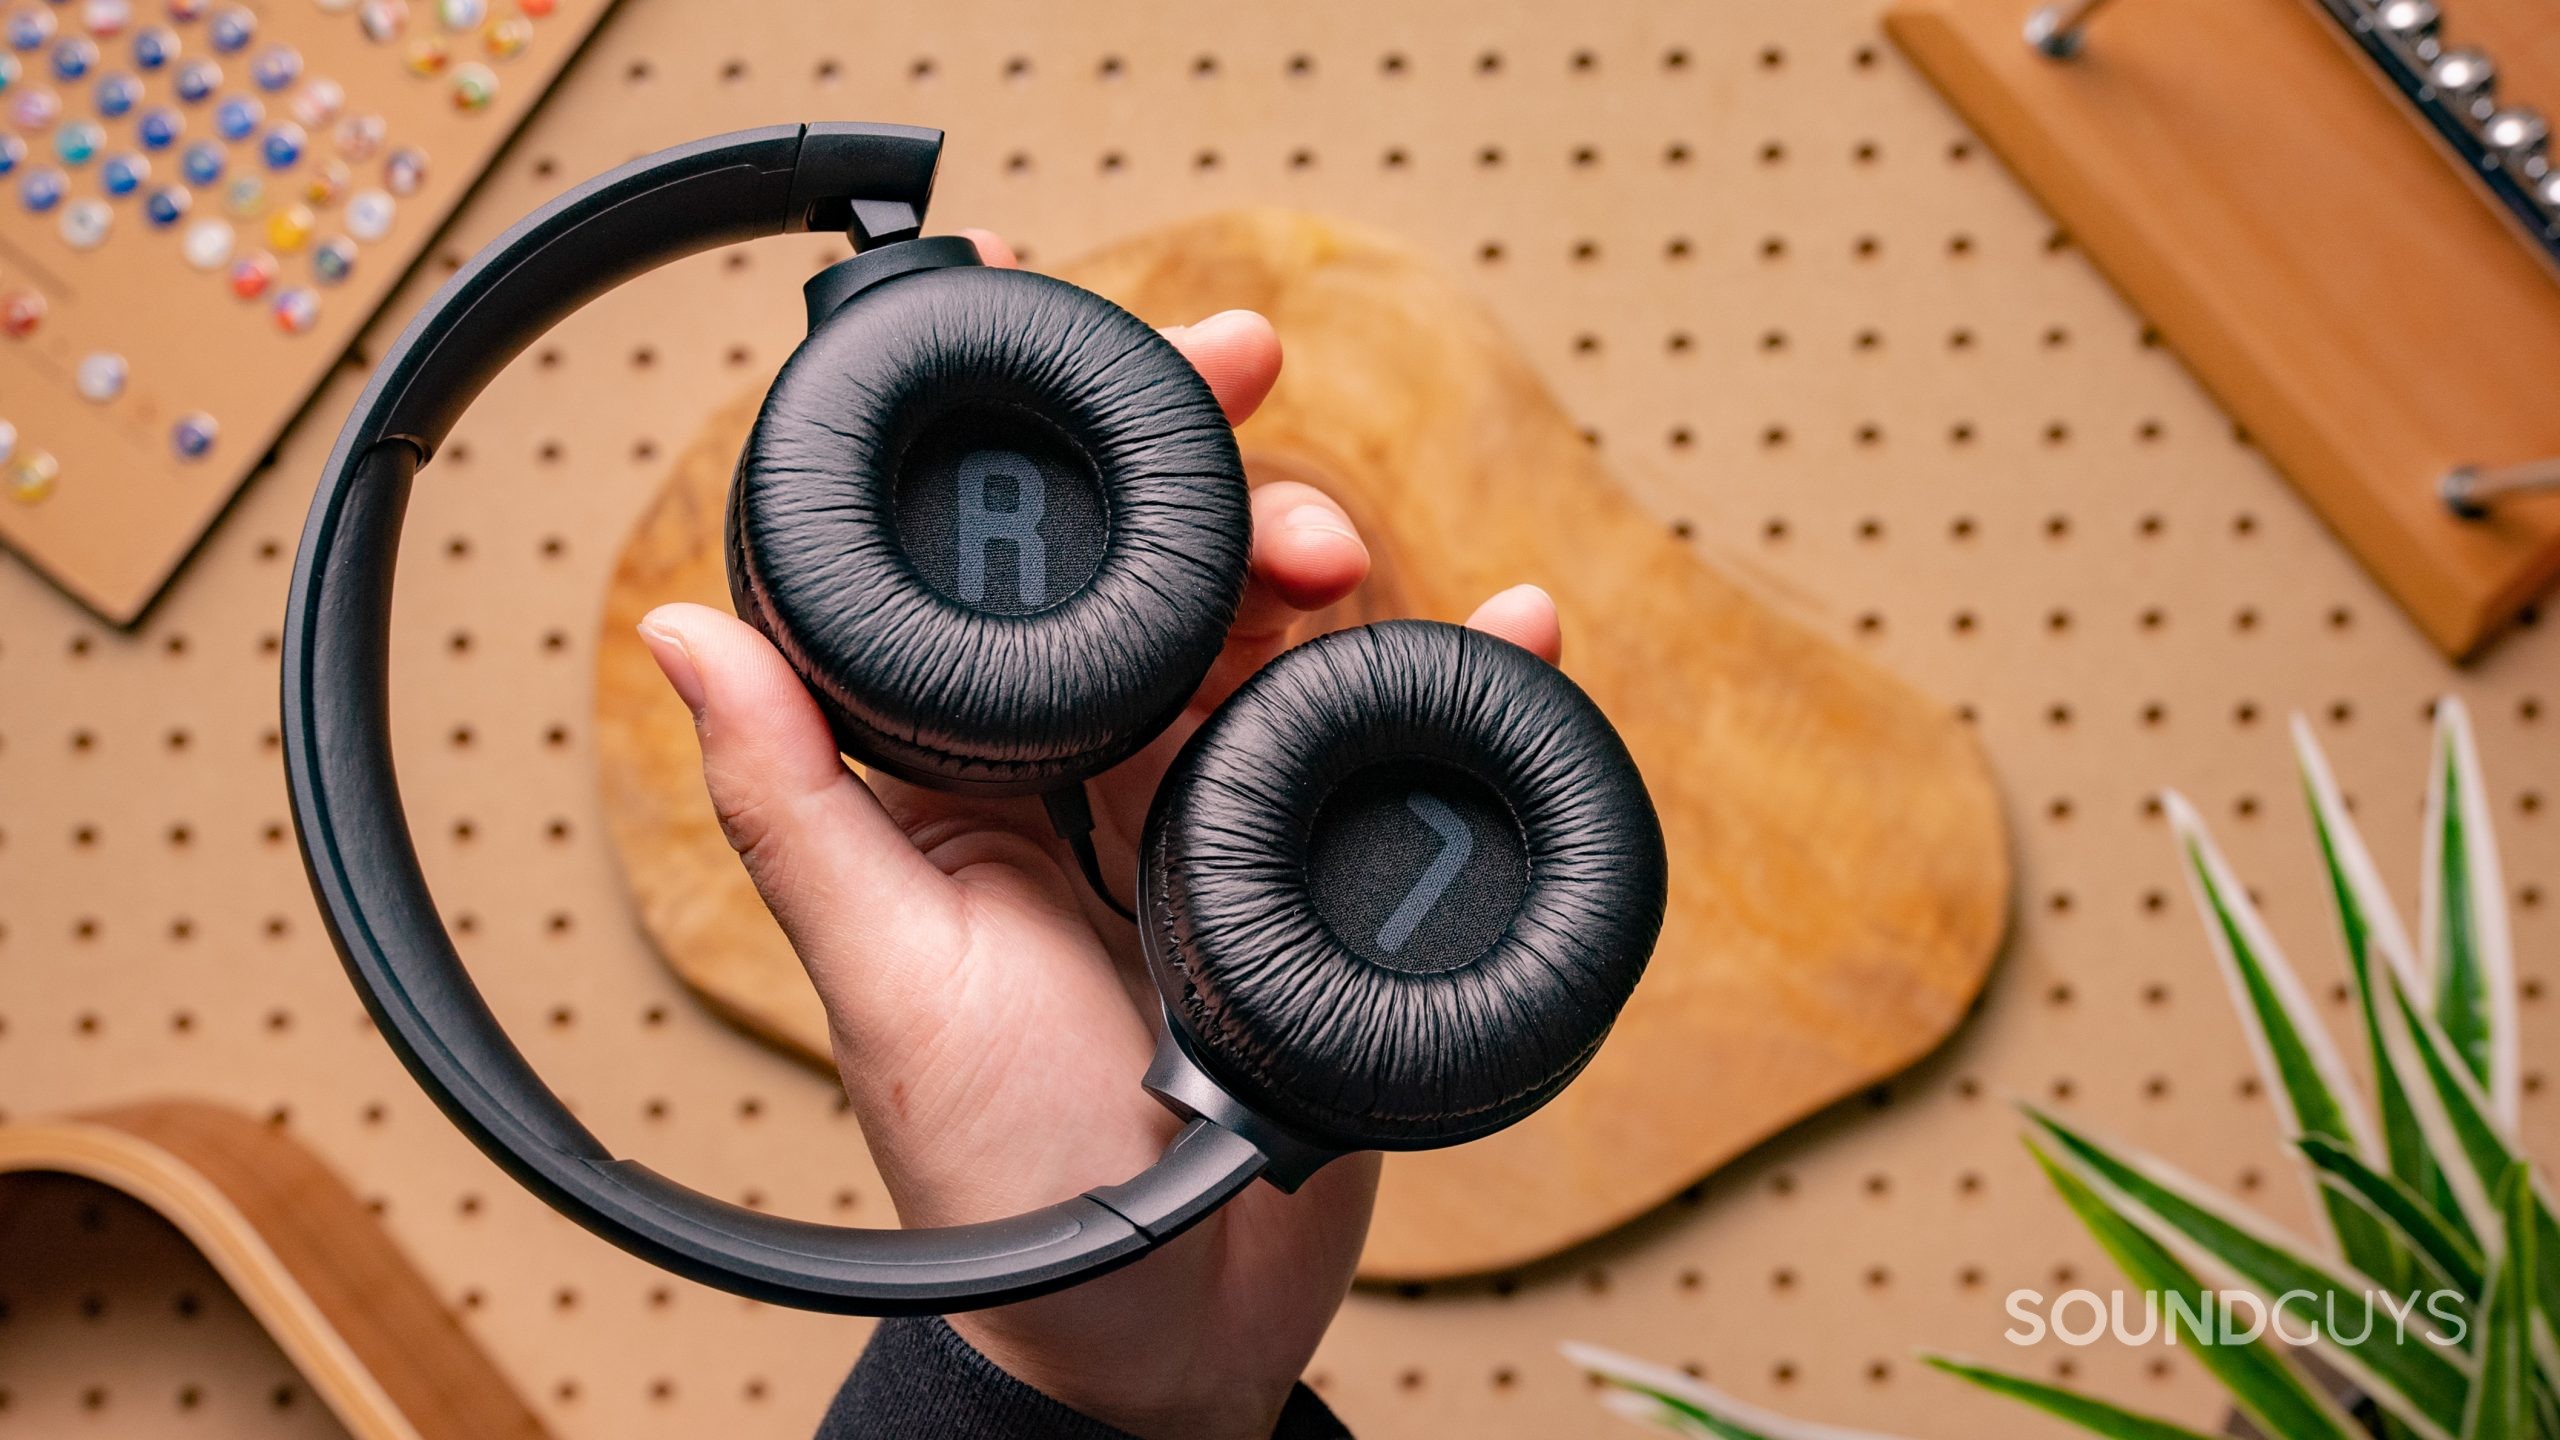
{"x": 918, "y": 1377}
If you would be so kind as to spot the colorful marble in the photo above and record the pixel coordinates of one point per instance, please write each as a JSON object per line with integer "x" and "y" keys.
{"x": 154, "y": 46}
{"x": 36, "y": 109}
{"x": 106, "y": 19}
{"x": 193, "y": 435}
{"x": 325, "y": 182}
{"x": 99, "y": 377}
{"x": 43, "y": 189}
{"x": 319, "y": 101}
{"x": 233, "y": 29}
{"x": 73, "y": 58}
{"x": 461, "y": 15}
{"x": 290, "y": 229}
{"x": 21, "y": 311}
{"x": 276, "y": 67}
{"x": 33, "y": 477}
{"x": 370, "y": 213}
{"x": 404, "y": 170}
{"x": 85, "y": 223}
{"x": 251, "y": 274}
{"x": 159, "y": 128}
{"x": 77, "y": 143}
{"x": 297, "y": 310}
{"x": 282, "y": 146}
{"x": 426, "y": 56}
{"x": 8, "y": 441}
{"x": 474, "y": 87}
{"x": 123, "y": 174}
{"x": 383, "y": 21}
{"x": 237, "y": 117}
{"x": 333, "y": 260}
{"x": 505, "y": 39}
{"x": 359, "y": 137}
{"x": 206, "y": 244}
{"x": 116, "y": 95}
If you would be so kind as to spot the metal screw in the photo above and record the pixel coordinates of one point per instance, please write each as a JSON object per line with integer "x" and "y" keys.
{"x": 2055, "y": 29}
{"x": 2469, "y": 491}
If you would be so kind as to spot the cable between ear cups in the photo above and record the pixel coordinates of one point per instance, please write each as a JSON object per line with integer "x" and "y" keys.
{"x": 1395, "y": 892}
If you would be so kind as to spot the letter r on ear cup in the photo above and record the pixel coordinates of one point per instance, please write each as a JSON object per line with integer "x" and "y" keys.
{"x": 996, "y": 523}
{"x": 1396, "y": 890}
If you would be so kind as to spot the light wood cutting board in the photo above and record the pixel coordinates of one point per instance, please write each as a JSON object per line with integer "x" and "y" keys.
{"x": 1840, "y": 872}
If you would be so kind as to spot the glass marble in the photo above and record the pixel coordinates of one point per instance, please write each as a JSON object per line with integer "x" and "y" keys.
{"x": 234, "y": 118}
{"x": 43, "y": 189}
{"x": 404, "y": 170}
{"x": 10, "y": 70}
{"x": 297, "y": 310}
{"x": 319, "y": 101}
{"x": 276, "y": 67}
{"x": 461, "y": 15}
{"x": 36, "y": 109}
{"x": 193, "y": 435}
{"x": 85, "y": 223}
{"x": 159, "y": 128}
{"x": 116, "y": 95}
{"x": 198, "y": 79}
{"x": 185, "y": 12}
{"x": 325, "y": 182}
{"x": 333, "y": 260}
{"x": 359, "y": 137}
{"x": 426, "y": 55}
{"x": 203, "y": 163}
{"x": 106, "y": 19}
{"x": 29, "y": 28}
{"x": 369, "y": 214}
{"x": 100, "y": 376}
{"x": 245, "y": 196}
{"x": 21, "y": 311}
{"x": 233, "y": 29}
{"x": 33, "y": 477}
{"x": 74, "y": 58}
{"x": 123, "y": 174}
{"x": 474, "y": 86}
{"x": 206, "y": 244}
{"x": 77, "y": 143}
{"x": 383, "y": 21}
{"x": 167, "y": 205}
{"x": 8, "y": 441}
{"x": 251, "y": 274}
{"x": 154, "y": 46}
{"x": 12, "y": 150}
{"x": 290, "y": 229}
{"x": 507, "y": 38}
{"x": 282, "y": 145}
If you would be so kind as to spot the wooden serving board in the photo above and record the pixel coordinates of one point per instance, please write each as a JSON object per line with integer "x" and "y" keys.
{"x": 1840, "y": 874}
{"x": 300, "y": 1251}
{"x": 2284, "y": 220}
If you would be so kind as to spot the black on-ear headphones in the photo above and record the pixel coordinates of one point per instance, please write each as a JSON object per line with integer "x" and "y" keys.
{"x": 1393, "y": 893}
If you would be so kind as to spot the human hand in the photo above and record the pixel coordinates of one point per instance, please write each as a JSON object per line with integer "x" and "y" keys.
{"x": 991, "y": 1018}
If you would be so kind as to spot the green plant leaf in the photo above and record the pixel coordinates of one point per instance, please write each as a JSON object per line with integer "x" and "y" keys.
{"x": 2403, "y": 1370}
{"x": 2095, "y": 1416}
{"x": 2463, "y": 916}
{"x": 2473, "y": 1151}
{"x": 2502, "y": 1401}
{"x": 2445, "y": 1252}
{"x": 2305, "y": 1074}
{"x": 1669, "y": 1400}
{"x": 2371, "y": 926}
{"x": 2261, "y": 1381}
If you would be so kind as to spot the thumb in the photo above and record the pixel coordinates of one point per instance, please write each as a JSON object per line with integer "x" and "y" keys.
{"x": 832, "y": 866}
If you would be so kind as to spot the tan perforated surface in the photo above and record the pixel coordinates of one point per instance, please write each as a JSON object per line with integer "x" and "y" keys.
{"x": 1809, "y": 321}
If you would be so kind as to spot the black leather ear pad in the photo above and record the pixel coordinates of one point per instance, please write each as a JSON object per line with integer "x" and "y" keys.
{"x": 1396, "y": 890}
{"x": 998, "y": 525}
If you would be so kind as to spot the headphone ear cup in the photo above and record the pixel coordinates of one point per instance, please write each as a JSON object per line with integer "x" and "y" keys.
{"x": 1397, "y": 889}
{"x": 997, "y": 524}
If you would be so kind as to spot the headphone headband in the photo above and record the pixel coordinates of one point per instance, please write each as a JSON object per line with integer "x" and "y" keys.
{"x": 873, "y": 181}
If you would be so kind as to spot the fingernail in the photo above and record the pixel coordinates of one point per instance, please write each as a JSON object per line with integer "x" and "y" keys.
{"x": 1317, "y": 517}
{"x": 675, "y": 661}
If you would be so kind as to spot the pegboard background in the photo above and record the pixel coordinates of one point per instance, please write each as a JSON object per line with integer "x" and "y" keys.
{"x": 1812, "y": 325}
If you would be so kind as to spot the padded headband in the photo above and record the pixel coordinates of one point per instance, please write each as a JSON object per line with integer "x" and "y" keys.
{"x": 872, "y": 181}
